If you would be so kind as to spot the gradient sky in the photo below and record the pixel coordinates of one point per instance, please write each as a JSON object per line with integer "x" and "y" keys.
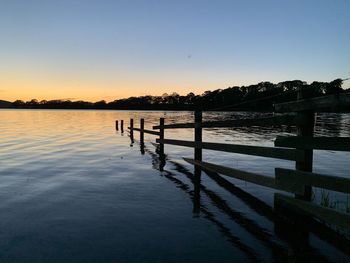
{"x": 92, "y": 50}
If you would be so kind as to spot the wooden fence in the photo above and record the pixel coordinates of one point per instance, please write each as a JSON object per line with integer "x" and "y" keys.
{"x": 298, "y": 149}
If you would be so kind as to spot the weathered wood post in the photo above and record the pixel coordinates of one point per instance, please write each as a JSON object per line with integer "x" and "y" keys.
{"x": 122, "y": 126}
{"x": 132, "y": 130}
{"x": 131, "y": 124}
{"x": 306, "y": 128}
{"x": 116, "y": 125}
{"x": 142, "y": 144}
{"x": 142, "y": 127}
{"x": 161, "y": 136}
{"x": 197, "y": 157}
{"x": 198, "y": 135}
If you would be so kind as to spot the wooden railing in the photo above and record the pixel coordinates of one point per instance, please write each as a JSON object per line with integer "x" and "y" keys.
{"x": 292, "y": 148}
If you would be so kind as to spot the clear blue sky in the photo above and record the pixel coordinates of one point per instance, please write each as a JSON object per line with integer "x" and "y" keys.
{"x": 100, "y": 49}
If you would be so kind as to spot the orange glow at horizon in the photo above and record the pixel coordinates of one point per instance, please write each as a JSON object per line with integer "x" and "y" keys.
{"x": 42, "y": 85}
{"x": 28, "y": 89}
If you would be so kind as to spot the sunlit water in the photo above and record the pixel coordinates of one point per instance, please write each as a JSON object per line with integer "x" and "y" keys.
{"x": 73, "y": 189}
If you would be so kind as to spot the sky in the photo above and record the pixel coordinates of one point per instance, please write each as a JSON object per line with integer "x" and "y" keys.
{"x": 106, "y": 50}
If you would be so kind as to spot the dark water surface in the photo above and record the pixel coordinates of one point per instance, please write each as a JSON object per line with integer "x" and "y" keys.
{"x": 75, "y": 190}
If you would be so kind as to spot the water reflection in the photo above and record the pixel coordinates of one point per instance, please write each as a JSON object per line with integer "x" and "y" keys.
{"x": 66, "y": 178}
{"x": 292, "y": 230}
{"x": 331, "y": 123}
{"x": 200, "y": 208}
{"x": 131, "y": 135}
{"x": 197, "y": 190}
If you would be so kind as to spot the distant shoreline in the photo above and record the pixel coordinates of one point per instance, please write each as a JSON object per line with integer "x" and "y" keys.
{"x": 260, "y": 97}
{"x": 158, "y": 110}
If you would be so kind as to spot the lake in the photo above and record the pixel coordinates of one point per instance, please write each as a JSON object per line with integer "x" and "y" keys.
{"x": 73, "y": 189}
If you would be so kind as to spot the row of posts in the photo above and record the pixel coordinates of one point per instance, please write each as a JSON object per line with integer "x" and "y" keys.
{"x": 142, "y": 127}
{"x": 162, "y": 157}
{"x": 197, "y": 133}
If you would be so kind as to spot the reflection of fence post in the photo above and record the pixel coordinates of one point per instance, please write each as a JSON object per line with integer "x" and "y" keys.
{"x": 122, "y": 126}
{"x": 305, "y": 129}
{"x": 142, "y": 126}
{"x": 161, "y": 136}
{"x": 116, "y": 125}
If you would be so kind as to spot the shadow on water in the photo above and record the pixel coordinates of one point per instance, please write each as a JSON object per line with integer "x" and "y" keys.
{"x": 157, "y": 163}
{"x": 289, "y": 228}
{"x": 286, "y": 224}
{"x": 132, "y": 141}
{"x": 249, "y": 225}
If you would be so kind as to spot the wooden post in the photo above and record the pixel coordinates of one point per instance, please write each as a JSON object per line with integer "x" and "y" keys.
{"x": 161, "y": 136}
{"x": 307, "y": 129}
{"x": 142, "y": 127}
{"x": 122, "y": 126}
{"x": 116, "y": 125}
{"x": 132, "y": 131}
{"x": 142, "y": 145}
{"x": 197, "y": 157}
{"x": 198, "y": 134}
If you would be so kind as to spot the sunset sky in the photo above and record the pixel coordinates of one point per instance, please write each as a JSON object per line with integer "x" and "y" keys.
{"x": 93, "y": 50}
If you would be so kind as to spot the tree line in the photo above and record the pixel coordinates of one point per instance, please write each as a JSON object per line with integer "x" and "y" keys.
{"x": 258, "y": 97}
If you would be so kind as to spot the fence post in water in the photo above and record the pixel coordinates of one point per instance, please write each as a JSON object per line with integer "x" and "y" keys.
{"x": 122, "y": 126}
{"x": 198, "y": 134}
{"x": 116, "y": 125}
{"x": 142, "y": 127}
{"x": 132, "y": 130}
{"x": 305, "y": 129}
{"x": 161, "y": 136}
{"x": 197, "y": 157}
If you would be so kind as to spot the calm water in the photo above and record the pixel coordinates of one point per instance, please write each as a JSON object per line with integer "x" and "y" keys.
{"x": 75, "y": 190}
